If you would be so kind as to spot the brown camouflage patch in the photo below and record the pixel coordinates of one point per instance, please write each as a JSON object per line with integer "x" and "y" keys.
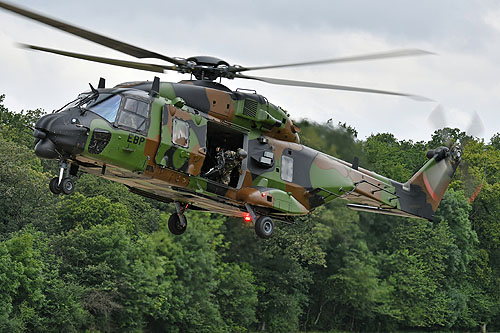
{"x": 299, "y": 193}
{"x": 221, "y": 104}
{"x": 171, "y": 177}
{"x": 151, "y": 148}
{"x": 325, "y": 163}
{"x": 419, "y": 180}
{"x": 253, "y": 196}
{"x": 196, "y": 159}
{"x": 286, "y": 134}
{"x": 280, "y": 146}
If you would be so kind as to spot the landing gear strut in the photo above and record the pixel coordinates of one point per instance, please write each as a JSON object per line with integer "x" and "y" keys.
{"x": 64, "y": 184}
{"x": 177, "y": 223}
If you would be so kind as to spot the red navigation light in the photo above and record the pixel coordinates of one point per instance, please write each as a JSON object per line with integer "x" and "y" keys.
{"x": 247, "y": 217}
{"x": 263, "y": 194}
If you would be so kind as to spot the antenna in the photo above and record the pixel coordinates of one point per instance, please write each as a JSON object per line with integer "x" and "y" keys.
{"x": 102, "y": 83}
{"x": 155, "y": 87}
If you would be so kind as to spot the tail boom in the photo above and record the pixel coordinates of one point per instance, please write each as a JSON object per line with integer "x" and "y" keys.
{"x": 418, "y": 197}
{"x": 421, "y": 195}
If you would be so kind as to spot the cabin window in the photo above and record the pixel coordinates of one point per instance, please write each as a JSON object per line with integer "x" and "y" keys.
{"x": 134, "y": 115}
{"x": 105, "y": 105}
{"x": 287, "y": 168}
{"x": 180, "y": 133}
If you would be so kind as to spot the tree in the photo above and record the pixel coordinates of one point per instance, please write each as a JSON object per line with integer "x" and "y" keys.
{"x": 24, "y": 187}
{"x": 34, "y": 298}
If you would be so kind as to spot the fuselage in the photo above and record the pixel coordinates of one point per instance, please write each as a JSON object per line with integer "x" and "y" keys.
{"x": 162, "y": 147}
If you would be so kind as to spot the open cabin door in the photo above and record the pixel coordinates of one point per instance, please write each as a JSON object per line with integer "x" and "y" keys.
{"x": 183, "y": 140}
{"x": 220, "y": 136}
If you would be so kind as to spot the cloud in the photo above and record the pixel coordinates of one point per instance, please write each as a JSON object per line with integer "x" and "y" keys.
{"x": 464, "y": 76}
{"x": 492, "y": 19}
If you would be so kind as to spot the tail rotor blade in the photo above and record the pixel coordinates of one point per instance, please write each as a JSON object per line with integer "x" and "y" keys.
{"x": 437, "y": 119}
{"x": 476, "y": 126}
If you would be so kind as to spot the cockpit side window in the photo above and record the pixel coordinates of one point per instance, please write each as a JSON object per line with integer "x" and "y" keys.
{"x": 134, "y": 115}
{"x": 106, "y": 106}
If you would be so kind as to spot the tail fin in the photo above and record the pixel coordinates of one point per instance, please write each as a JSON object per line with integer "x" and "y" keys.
{"x": 421, "y": 195}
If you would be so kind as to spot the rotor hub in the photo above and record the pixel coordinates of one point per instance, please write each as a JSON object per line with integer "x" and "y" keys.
{"x": 206, "y": 67}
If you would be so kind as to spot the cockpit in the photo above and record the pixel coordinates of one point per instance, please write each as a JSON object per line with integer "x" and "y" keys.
{"x": 129, "y": 110}
{"x": 105, "y": 105}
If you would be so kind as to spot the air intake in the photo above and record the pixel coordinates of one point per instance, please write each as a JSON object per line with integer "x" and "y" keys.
{"x": 250, "y": 108}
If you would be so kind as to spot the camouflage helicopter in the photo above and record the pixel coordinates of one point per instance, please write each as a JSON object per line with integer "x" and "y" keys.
{"x": 173, "y": 141}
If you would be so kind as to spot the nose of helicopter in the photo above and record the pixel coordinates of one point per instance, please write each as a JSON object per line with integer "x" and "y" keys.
{"x": 60, "y": 134}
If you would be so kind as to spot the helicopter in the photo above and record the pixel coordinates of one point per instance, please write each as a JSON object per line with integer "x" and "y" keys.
{"x": 171, "y": 141}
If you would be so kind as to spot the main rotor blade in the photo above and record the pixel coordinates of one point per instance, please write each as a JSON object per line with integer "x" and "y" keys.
{"x": 109, "y": 61}
{"x": 373, "y": 56}
{"x": 94, "y": 37}
{"x": 329, "y": 86}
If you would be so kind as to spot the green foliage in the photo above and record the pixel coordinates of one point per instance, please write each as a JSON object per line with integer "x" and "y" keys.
{"x": 237, "y": 296}
{"x": 495, "y": 141}
{"x": 18, "y": 125}
{"x": 23, "y": 185}
{"x": 80, "y": 211}
{"x": 103, "y": 259}
{"x": 144, "y": 213}
{"x": 339, "y": 141}
{"x": 35, "y": 298}
{"x": 398, "y": 160}
{"x": 195, "y": 258}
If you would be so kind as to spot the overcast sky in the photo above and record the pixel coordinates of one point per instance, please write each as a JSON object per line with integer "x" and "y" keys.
{"x": 463, "y": 76}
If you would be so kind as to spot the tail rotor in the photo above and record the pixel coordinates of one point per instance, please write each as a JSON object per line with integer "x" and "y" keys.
{"x": 455, "y": 140}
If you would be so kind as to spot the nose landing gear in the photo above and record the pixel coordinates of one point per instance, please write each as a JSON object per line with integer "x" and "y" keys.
{"x": 64, "y": 184}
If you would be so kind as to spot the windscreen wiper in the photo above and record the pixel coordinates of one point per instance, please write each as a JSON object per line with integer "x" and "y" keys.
{"x": 88, "y": 98}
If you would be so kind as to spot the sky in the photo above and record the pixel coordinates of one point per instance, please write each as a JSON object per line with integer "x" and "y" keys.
{"x": 462, "y": 76}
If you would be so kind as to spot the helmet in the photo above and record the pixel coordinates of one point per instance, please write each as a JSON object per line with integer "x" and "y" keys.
{"x": 242, "y": 153}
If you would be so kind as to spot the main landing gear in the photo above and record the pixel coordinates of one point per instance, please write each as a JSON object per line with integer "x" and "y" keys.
{"x": 177, "y": 223}
{"x": 64, "y": 184}
{"x": 264, "y": 225}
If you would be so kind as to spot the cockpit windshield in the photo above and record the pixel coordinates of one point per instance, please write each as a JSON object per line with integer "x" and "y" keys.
{"x": 105, "y": 105}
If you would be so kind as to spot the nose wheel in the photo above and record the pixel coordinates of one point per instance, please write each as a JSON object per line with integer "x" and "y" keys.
{"x": 67, "y": 186}
{"x": 64, "y": 184}
{"x": 54, "y": 186}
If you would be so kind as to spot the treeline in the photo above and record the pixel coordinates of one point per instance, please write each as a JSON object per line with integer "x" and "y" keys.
{"x": 103, "y": 259}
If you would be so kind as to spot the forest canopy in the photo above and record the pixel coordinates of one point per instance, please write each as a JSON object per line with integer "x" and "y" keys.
{"x": 102, "y": 259}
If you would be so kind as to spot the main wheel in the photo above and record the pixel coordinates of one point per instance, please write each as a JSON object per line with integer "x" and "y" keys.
{"x": 264, "y": 227}
{"x": 67, "y": 186}
{"x": 176, "y": 225}
{"x": 54, "y": 186}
